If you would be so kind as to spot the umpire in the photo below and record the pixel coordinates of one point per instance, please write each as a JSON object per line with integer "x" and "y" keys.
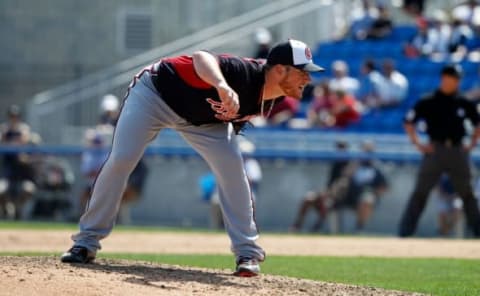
{"x": 444, "y": 113}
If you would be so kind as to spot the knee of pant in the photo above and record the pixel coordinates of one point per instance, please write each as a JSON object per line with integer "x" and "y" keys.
{"x": 121, "y": 161}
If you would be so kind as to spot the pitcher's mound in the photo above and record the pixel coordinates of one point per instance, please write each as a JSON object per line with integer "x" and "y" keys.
{"x": 47, "y": 276}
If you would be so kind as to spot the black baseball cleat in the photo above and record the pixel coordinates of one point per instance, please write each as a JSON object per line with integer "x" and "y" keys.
{"x": 78, "y": 254}
{"x": 247, "y": 267}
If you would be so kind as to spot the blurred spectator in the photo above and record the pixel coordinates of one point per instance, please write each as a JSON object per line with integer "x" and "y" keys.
{"x": 439, "y": 35}
{"x": 432, "y": 38}
{"x": 283, "y": 110}
{"x": 18, "y": 175}
{"x": 341, "y": 80}
{"x": 337, "y": 109}
{"x": 353, "y": 185}
{"x": 459, "y": 38}
{"x": 469, "y": 13}
{"x": 335, "y": 189}
{"x": 54, "y": 179}
{"x": 394, "y": 86}
{"x": 421, "y": 44}
{"x": 449, "y": 209}
{"x": 263, "y": 39}
{"x": 210, "y": 191}
{"x": 414, "y": 7}
{"x": 319, "y": 109}
{"x": 371, "y": 84}
{"x": 368, "y": 184}
{"x": 345, "y": 109}
{"x": 382, "y": 26}
{"x": 362, "y": 20}
{"x": 109, "y": 110}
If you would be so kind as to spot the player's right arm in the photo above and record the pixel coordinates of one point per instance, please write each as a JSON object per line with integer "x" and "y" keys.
{"x": 207, "y": 68}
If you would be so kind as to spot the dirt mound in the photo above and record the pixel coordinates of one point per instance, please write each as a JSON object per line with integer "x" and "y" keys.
{"x": 47, "y": 276}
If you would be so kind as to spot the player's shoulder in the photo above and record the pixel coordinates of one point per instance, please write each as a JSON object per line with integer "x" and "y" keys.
{"x": 428, "y": 96}
{"x": 239, "y": 59}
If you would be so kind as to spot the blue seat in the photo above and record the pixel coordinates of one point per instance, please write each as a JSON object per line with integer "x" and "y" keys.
{"x": 430, "y": 67}
{"x": 470, "y": 68}
{"x": 469, "y": 82}
{"x": 473, "y": 43}
{"x": 403, "y": 33}
{"x": 409, "y": 67}
{"x": 326, "y": 50}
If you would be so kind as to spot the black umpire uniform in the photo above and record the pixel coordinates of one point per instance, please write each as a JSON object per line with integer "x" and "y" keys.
{"x": 444, "y": 113}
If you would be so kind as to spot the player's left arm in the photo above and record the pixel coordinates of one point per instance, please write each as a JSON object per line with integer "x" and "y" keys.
{"x": 474, "y": 116}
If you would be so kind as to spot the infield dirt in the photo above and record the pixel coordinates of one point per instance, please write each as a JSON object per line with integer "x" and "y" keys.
{"x": 47, "y": 276}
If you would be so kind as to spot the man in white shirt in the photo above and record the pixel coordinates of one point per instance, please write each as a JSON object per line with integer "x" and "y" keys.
{"x": 341, "y": 80}
{"x": 394, "y": 86}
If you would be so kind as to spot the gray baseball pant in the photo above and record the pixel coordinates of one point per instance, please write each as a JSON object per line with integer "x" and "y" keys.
{"x": 143, "y": 115}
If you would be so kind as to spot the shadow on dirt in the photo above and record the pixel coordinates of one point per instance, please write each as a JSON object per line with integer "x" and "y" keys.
{"x": 158, "y": 276}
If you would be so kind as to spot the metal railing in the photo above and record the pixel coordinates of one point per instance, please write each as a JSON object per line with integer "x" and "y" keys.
{"x": 52, "y": 111}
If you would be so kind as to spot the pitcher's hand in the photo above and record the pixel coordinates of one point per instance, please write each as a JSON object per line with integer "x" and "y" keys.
{"x": 230, "y": 103}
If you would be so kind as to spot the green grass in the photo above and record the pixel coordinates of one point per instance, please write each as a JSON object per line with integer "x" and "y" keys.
{"x": 431, "y": 276}
{"x": 37, "y": 225}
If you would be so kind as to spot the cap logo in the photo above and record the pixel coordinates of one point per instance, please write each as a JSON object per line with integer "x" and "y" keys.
{"x": 308, "y": 53}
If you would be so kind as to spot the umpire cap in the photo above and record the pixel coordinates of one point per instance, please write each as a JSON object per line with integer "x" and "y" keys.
{"x": 454, "y": 70}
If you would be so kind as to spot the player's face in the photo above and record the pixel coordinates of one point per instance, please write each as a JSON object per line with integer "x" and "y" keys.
{"x": 294, "y": 82}
{"x": 449, "y": 84}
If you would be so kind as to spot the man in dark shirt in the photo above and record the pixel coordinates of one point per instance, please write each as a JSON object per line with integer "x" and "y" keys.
{"x": 444, "y": 113}
{"x": 202, "y": 97}
{"x": 17, "y": 169}
{"x": 337, "y": 186}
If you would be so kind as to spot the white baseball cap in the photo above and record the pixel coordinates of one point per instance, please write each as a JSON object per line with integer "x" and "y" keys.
{"x": 293, "y": 53}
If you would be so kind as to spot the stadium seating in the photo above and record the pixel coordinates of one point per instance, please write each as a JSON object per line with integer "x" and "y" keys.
{"x": 422, "y": 73}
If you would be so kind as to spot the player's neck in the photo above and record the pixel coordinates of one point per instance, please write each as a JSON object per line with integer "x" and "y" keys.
{"x": 271, "y": 89}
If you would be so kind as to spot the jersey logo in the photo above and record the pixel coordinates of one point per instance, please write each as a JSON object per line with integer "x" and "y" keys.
{"x": 460, "y": 112}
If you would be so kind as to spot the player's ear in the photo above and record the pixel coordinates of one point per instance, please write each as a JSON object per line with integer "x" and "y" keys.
{"x": 280, "y": 70}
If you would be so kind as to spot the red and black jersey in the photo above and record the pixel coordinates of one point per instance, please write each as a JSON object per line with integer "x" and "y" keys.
{"x": 186, "y": 93}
